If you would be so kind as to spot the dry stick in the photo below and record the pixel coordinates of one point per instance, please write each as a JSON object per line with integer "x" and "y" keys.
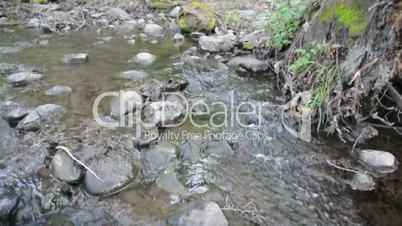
{"x": 75, "y": 159}
{"x": 342, "y": 168}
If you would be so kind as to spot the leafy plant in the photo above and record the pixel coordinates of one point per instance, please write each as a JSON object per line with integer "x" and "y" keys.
{"x": 306, "y": 58}
{"x": 285, "y": 21}
{"x": 232, "y": 17}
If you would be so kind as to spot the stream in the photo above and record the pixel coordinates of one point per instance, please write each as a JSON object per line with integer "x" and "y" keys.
{"x": 278, "y": 180}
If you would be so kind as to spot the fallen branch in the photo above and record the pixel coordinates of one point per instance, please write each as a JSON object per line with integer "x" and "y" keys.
{"x": 78, "y": 161}
{"x": 395, "y": 96}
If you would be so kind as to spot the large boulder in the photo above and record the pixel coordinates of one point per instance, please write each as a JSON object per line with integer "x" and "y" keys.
{"x": 218, "y": 43}
{"x": 199, "y": 213}
{"x": 196, "y": 16}
{"x": 44, "y": 115}
{"x": 115, "y": 169}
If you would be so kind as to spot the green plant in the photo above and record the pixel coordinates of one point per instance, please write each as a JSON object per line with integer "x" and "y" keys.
{"x": 306, "y": 58}
{"x": 232, "y": 17}
{"x": 284, "y": 22}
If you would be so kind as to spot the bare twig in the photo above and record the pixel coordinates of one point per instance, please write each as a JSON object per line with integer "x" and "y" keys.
{"x": 78, "y": 161}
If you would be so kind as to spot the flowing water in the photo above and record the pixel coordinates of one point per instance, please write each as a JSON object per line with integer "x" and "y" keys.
{"x": 283, "y": 180}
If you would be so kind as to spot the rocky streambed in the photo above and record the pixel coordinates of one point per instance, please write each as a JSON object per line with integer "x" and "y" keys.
{"x": 49, "y": 83}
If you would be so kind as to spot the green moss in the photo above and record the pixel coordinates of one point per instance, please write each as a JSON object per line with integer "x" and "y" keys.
{"x": 39, "y": 1}
{"x": 349, "y": 15}
{"x": 248, "y": 45}
{"x": 232, "y": 17}
{"x": 189, "y": 10}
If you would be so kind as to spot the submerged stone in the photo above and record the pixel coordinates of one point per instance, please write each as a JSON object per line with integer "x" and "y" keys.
{"x": 144, "y": 58}
{"x": 133, "y": 74}
{"x": 9, "y": 49}
{"x": 199, "y": 213}
{"x": 59, "y": 91}
{"x": 23, "y": 78}
{"x": 362, "y": 182}
{"x": 75, "y": 58}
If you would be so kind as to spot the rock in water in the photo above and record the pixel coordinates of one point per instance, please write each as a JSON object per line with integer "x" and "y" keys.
{"x": 118, "y": 14}
{"x": 250, "y": 63}
{"x": 178, "y": 38}
{"x": 199, "y": 213}
{"x": 8, "y": 204}
{"x": 362, "y": 182}
{"x": 7, "y": 106}
{"x": 115, "y": 168}
{"x": 218, "y": 43}
{"x": 162, "y": 113}
{"x": 157, "y": 159}
{"x": 153, "y": 30}
{"x": 43, "y": 115}
{"x": 64, "y": 168}
{"x": 9, "y": 49}
{"x": 134, "y": 75}
{"x": 171, "y": 184}
{"x": 8, "y": 138}
{"x": 379, "y": 161}
{"x": 196, "y": 16}
{"x": 75, "y": 58}
{"x": 17, "y": 114}
{"x": 144, "y": 58}
{"x": 23, "y": 78}
{"x": 130, "y": 100}
{"x": 59, "y": 91}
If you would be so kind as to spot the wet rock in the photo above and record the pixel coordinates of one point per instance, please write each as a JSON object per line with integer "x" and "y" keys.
{"x": 162, "y": 113}
{"x": 219, "y": 148}
{"x": 117, "y": 14}
{"x": 148, "y": 135}
{"x": 64, "y": 168}
{"x": 153, "y": 30}
{"x": 362, "y": 182}
{"x": 178, "y": 38}
{"x": 133, "y": 75}
{"x": 378, "y": 161}
{"x": 195, "y": 36}
{"x": 33, "y": 23}
{"x": 59, "y": 91}
{"x": 171, "y": 184}
{"x": 199, "y": 213}
{"x": 174, "y": 12}
{"x": 7, "y": 68}
{"x": 218, "y": 43}
{"x": 199, "y": 106}
{"x": 17, "y": 114}
{"x": 191, "y": 151}
{"x": 23, "y": 78}
{"x": 44, "y": 115}
{"x": 9, "y": 49}
{"x": 8, "y": 138}
{"x": 157, "y": 159}
{"x": 175, "y": 85}
{"x": 249, "y": 63}
{"x": 25, "y": 44}
{"x": 131, "y": 41}
{"x": 115, "y": 169}
{"x": 130, "y": 99}
{"x": 144, "y": 58}
{"x": 75, "y": 58}
{"x": 196, "y": 16}
{"x": 56, "y": 197}
{"x": 8, "y": 204}
{"x": 152, "y": 92}
{"x": 7, "y": 106}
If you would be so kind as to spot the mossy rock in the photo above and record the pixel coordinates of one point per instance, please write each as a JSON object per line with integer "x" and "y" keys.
{"x": 40, "y": 1}
{"x": 196, "y": 16}
{"x": 162, "y": 5}
{"x": 349, "y": 14}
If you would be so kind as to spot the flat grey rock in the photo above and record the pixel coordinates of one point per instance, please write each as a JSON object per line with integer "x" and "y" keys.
{"x": 59, "y": 91}
{"x": 75, "y": 58}
{"x": 23, "y": 78}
